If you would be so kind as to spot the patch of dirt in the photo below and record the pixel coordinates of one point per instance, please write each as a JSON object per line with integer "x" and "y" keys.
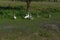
{"x": 50, "y": 25}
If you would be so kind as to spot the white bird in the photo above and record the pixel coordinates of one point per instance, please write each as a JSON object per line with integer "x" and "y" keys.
{"x": 28, "y": 16}
{"x": 14, "y": 17}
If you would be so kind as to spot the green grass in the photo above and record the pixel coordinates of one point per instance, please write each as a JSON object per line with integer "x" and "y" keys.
{"x": 40, "y": 28}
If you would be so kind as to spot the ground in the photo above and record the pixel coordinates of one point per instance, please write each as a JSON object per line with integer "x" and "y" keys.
{"x": 41, "y": 28}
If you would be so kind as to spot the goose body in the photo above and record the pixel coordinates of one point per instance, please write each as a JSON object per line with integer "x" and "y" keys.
{"x": 28, "y": 16}
{"x": 14, "y": 17}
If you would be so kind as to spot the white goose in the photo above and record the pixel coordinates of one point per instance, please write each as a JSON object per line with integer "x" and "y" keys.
{"x": 28, "y": 16}
{"x": 15, "y": 17}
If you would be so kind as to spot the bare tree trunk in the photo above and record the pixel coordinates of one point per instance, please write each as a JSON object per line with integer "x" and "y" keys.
{"x": 28, "y": 7}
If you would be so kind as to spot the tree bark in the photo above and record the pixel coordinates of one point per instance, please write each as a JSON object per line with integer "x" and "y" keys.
{"x": 28, "y": 7}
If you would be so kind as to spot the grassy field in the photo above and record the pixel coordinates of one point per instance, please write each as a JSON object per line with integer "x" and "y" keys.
{"x": 40, "y": 28}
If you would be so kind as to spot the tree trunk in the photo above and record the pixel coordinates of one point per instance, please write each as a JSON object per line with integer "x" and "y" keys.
{"x": 28, "y": 7}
